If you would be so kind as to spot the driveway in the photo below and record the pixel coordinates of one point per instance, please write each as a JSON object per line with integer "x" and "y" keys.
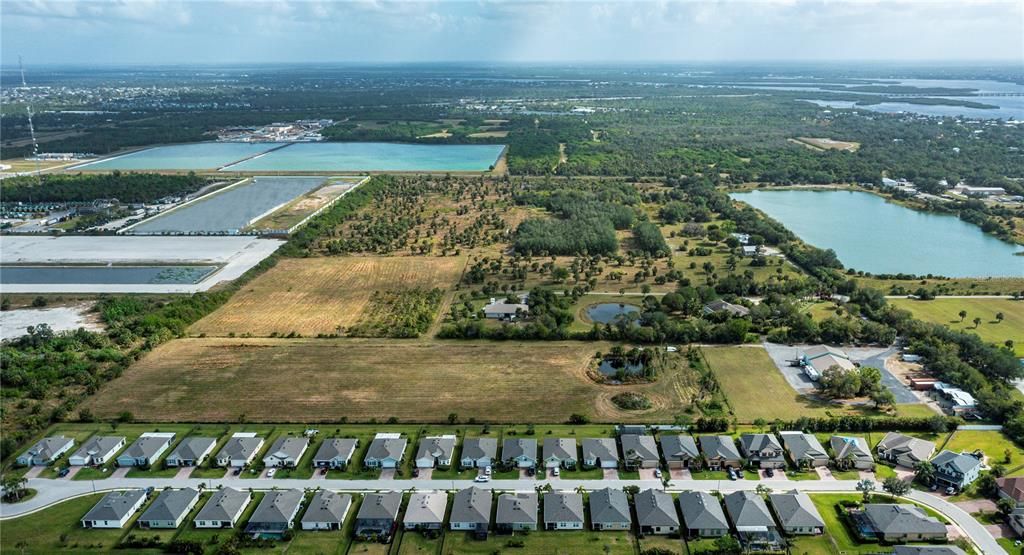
{"x": 120, "y": 472}
{"x": 902, "y": 393}
{"x": 34, "y": 472}
{"x": 524, "y": 474}
{"x": 72, "y": 471}
{"x": 646, "y": 473}
{"x": 762, "y": 474}
{"x": 680, "y": 474}
{"x": 426, "y": 473}
{"x": 824, "y": 473}
{"x": 610, "y": 473}
{"x": 387, "y": 474}
{"x": 977, "y": 505}
{"x": 184, "y": 472}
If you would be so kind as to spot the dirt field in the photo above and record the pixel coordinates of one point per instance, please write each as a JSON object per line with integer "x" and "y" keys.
{"x": 818, "y": 143}
{"x": 311, "y": 296}
{"x": 309, "y": 380}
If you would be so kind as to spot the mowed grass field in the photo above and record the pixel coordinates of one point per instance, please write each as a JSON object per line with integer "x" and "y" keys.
{"x": 325, "y": 380}
{"x": 311, "y": 296}
{"x": 946, "y": 312}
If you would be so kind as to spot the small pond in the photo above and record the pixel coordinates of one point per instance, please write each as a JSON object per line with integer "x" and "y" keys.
{"x": 120, "y": 275}
{"x": 609, "y": 313}
{"x": 612, "y": 366}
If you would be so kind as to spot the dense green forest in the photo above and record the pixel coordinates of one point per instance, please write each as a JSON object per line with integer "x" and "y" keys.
{"x": 125, "y": 187}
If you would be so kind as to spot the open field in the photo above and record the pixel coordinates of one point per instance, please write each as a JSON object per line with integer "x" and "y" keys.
{"x": 756, "y": 389}
{"x": 946, "y": 312}
{"x": 994, "y": 444}
{"x": 819, "y": 143}
{"x": 950, "y": 286}
{"x": 307, "y": 380}
{"x": 313, "y": 296}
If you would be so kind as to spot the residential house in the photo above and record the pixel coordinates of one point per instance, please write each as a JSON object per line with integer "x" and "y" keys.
{"x": 146, "y": 450}
{"x": 479, "y": 452}
{"x": 804, "y": 449}
{"x": 46, "y": 451}
{"x": 286, "y": 452}
{"x": 656, "y": 512}
{"x": 904, "y": 450}
{"x": 471, "y": 511}
{"x": 902, "y": 523}
{"x": 326, "y": 511}
{"x": 702, "y": 515}
{"x": 1016, "y": 521}
{"x": 275, "y": 513}
{"x": 516, "y": 512}
{"x": 796, "y": 513}
{"x": 563, "y": 511}
{"x": 436, "y": 451}
{"x": 169, "y": 509}
{"x": 192, "y": 451}
{"x": 609, "y": 510}
{"x": 762, "y": 450}
{"x": 426, "y": 510}
{"x": 223, "y": 509}
{"x": 335, "y": 452}
{"x": 680, "y": 451}
{"x": 386, "y": 451}
{"x": 718, "y": 305}
{"x": 1012, "y": 489}
{"x": 504, "y": 310}
{"x": 240, "y": 449}
{"x": 956, "y": 470}
{"x": 600, "y": 452}
{"x": 114, "y": 510}
{"x": 751, "y": 250}
{"x": 519, "y": 452}
{"x": 817, "y": 359}
{"x": 639, "y": 451}
{"x": 851, "y": 452}
{"x": 97, "y": 450}
{"x": 752, "y": 521}
{"x": 378, "y": 514}
{"x": 559, "y": 452}
{"x": 720, "y": 452}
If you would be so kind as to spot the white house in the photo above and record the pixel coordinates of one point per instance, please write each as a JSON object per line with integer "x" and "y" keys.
{"x": 97, "y": 450}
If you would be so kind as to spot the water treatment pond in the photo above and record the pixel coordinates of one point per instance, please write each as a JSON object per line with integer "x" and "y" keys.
{"x": 196, "y": 156}
{"x": 119, "y": 275}
{"x": 609, "y": 313}
{"x": 870, "y": 234}
{"x": 373, "y": 157}
{"x": 231, "y": 210}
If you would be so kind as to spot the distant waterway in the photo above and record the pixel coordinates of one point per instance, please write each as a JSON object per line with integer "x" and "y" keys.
{"x": 870, "y": 234}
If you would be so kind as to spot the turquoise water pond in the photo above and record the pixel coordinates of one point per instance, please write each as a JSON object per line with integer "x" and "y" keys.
{"x": 373, "y": 157}
{"x": 195, "y": 156}
{"x": 870, "y": 234}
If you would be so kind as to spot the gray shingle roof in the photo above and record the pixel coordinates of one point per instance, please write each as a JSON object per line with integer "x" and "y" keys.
{"x": 609, "y": 506}
{"x": 472, "y": 505}
{"x": 518, "y": 508}
{"x": 715, "y": 447}
{"x": 426, "y": 507}
{"x": 560, "y": 448}
{"x": 902, "y": 445}
{"x": 327, "y": 506}
{"x": 277, "y": 507}
{"x": 440, "y": 447}
{"x": 145, "y": 447}
{"x": 480, "y": 447}
{"x": 563, "y": 507}
{"x": 851, "y": 448}
{"x": 795, "y": 509}
{"x": 515, "y": 447}
{"x": 702, "y": 511}
{"x": 643, "y": 445}
{"x": 759, "y": 442}
{"x": 48, "y": 446}
{"x": 98, "y": 445}
{"x": 115, "y": 505}
{"x": 191, "y": 448}
{"x": 747, "y": 509}
{"x": 240, "y": 447}
{"x": 803, "y": 446}
{"x": 600, "y": 448}
{"x": 170, "y": 504}
{"x": 901, "y": 519}
{"x": 655, "y": 508}
{"x": 335, "y": 447}
{"x": 288, "y": 447}
{"x": 380, "y": 505}
{"x": 224, "y": 505}
{"x": 383, "y": 448}
{"x": 678, "y": 447}
{"x": 955, "y": 461}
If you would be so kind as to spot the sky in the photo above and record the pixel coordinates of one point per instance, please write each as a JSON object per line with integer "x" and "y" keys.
{"x": 160, "y": 32}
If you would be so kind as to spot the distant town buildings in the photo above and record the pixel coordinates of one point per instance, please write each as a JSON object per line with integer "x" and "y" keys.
{"x": 303, "y": 130}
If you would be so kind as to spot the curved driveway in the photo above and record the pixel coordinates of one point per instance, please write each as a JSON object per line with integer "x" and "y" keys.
{"x": 51, "y": 491}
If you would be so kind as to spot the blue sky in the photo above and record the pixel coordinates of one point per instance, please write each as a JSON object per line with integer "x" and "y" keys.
{"x": 242, "y": 31}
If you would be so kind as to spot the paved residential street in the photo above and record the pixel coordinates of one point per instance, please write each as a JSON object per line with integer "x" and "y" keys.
{"x": 54, "y": 491}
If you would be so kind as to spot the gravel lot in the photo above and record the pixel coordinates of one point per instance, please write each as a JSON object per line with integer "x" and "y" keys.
{"x": 61, "y": 318}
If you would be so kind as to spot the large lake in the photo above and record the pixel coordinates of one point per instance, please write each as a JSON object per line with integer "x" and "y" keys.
{"x": 876, "y": 236}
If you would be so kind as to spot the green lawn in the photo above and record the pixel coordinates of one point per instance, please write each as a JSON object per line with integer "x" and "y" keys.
{"x": 803, "y": 475}
{"x": 993, "y": 444}
{"x": 543, "y": 543}
{"x": 415, "y": 543}
{"x": 837, "y": 531}
{"x": 673, "y": 545}
{"x": 946, "y": 312}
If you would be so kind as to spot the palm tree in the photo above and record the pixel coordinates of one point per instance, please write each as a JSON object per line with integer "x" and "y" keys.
{"x": 999, "y": 316}
{"x": 977, "y": 322}
{"x": 962, "y": 314}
